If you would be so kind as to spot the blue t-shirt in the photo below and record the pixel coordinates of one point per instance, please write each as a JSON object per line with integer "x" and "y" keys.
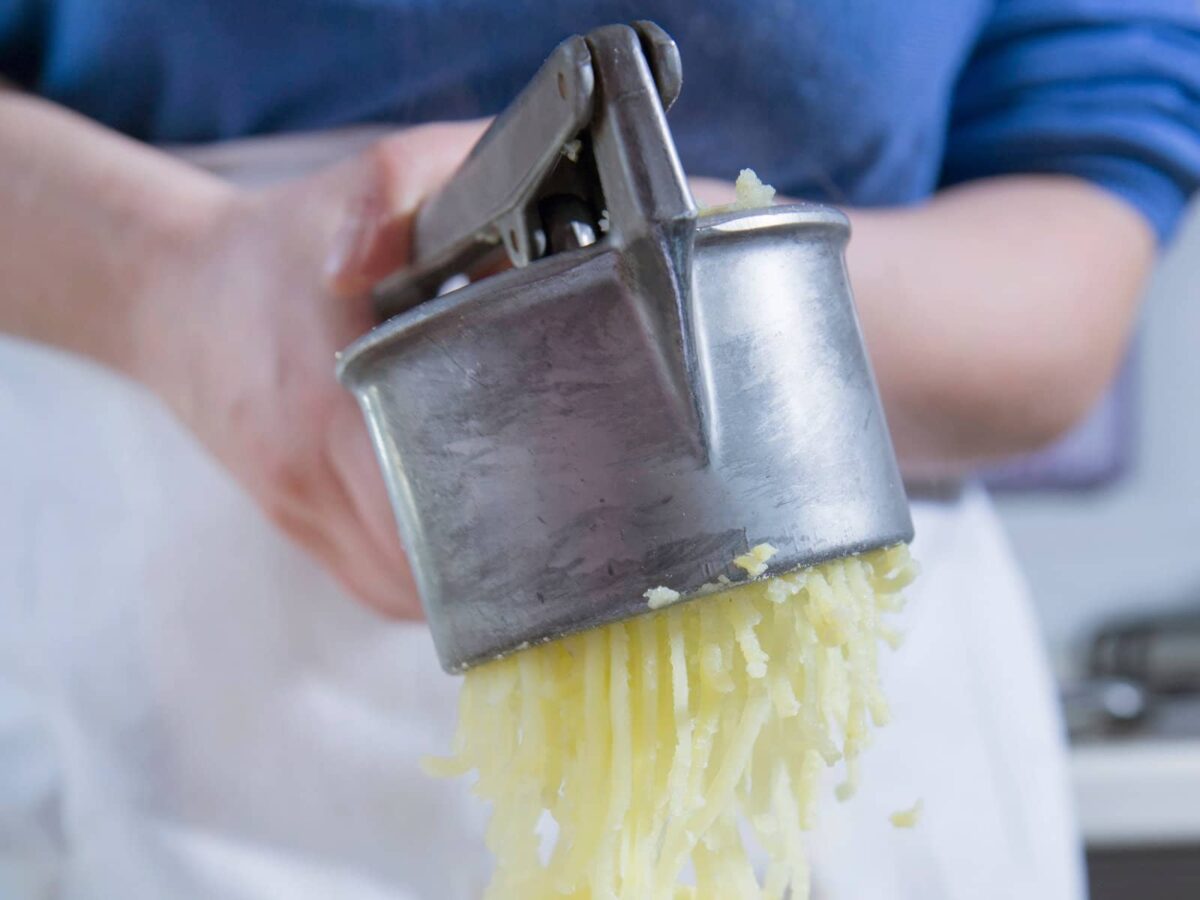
{"x": 846, "y": 101}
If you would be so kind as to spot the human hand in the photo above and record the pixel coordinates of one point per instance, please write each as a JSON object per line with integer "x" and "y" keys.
{"x": 238, "y": 332}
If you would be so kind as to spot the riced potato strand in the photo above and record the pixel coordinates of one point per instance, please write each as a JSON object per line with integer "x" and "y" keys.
{"x": 648, "y": 742}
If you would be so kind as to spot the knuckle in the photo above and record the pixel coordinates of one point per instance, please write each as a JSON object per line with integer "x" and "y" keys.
{"x": 388, "y": 161}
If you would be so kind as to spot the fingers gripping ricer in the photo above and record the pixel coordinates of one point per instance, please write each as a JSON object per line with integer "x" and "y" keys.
{"x": 643, "y": 396}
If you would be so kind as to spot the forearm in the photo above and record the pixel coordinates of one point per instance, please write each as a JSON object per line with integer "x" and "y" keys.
{"x": 85, "y": 216}
{"x": 994, "y": 314}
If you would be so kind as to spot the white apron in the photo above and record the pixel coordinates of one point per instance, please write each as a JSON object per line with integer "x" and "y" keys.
{"x": 191, "y": 709}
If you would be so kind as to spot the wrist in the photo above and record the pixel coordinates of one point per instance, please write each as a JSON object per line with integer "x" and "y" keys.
{"x": 178, "y": 226}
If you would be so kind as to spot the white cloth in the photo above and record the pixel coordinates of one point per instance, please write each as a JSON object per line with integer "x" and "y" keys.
{"x": 190, "y": 708}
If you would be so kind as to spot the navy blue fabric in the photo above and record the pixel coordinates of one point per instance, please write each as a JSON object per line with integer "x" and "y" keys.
{"x": 848, "y": 101}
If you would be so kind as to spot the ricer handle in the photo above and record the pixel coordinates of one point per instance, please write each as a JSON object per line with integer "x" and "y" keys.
{"x": 490, "y": 202}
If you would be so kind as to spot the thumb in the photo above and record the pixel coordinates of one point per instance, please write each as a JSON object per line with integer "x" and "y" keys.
{"x": 390, "y": 180}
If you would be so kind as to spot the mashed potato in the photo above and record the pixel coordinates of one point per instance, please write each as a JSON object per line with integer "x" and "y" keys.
{"x": 749, "y": 193}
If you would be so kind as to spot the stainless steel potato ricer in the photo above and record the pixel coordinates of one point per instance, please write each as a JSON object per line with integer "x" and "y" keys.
{"x": 642, "y": 396}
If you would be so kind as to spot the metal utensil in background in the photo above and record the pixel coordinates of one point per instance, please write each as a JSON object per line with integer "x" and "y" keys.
{"x": 1162, "y": 652}
{"x": 1143, "y": 674}
{"x": 1104, "y": 707}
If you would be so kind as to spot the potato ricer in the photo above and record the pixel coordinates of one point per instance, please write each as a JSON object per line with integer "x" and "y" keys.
{"x": 644, "y": 394}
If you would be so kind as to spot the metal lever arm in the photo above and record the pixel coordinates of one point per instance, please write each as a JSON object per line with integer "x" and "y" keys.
{"x": 640, "y": 173}
{"x": 490, "y": 200}
{"x": 487, "y": 201}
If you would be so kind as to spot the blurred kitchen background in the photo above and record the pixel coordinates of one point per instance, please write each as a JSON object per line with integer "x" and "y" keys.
{"x": 1107, "y": 526}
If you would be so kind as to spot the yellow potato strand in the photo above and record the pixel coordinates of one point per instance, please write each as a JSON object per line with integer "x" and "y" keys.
{"x": 655, "y": 745}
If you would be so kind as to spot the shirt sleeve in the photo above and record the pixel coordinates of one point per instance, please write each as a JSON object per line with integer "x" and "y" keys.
{"x": 22, "y": 35}
{"x": 1107, "y": 90}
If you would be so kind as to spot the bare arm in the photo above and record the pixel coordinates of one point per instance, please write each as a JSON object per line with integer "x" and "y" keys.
{"x": 86, "y": 218}
{"x": 995, "y": 313}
